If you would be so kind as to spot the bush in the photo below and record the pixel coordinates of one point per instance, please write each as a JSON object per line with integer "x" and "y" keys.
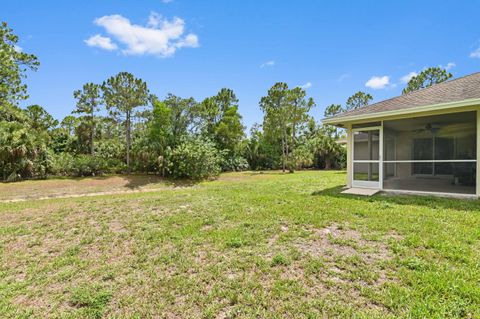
{"x": 234, "y": 163}
{"x": 65, "y": 164}
{"x": 110, "y": 149}
{"x": 23, "y": 153}
{"x": 61, "y": 164}
{"x": 115, "y": 166}
{"x": 302, "y": 157}
{"x": 195, "y": 158}
{"x": 88, "y": 165}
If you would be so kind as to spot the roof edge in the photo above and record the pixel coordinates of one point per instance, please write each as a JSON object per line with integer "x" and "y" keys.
{"x": 419, "y": 109}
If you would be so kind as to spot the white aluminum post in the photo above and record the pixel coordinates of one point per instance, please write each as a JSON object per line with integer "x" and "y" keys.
{"x": 478, "y": 155}
{"x": 349, "y": 157}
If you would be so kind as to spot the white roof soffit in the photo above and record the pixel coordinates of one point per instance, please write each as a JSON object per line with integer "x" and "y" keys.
{"x": 382, "y": 114}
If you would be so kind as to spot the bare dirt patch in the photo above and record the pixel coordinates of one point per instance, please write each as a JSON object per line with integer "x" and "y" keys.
{"x": 74, "y": 187}
{"x": 116, "y": 226}
{"x": 335, "y": 260}
{"x": 338, "y": 241}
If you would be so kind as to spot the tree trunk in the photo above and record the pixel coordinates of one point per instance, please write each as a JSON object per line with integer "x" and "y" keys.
{"x": 283, "y": 154}
{"x": 287, "y": 152}
{"x": 128, "y": 141}
{"x": 294, "y": 132}
{"x": 328, "y": 163}
{"x": 92, "y": 134}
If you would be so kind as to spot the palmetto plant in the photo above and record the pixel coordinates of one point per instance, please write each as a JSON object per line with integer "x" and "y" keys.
{"x": 22, "y": 154}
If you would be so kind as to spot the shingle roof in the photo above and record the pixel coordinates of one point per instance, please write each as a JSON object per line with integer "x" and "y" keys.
{"x": 464, "y": 88}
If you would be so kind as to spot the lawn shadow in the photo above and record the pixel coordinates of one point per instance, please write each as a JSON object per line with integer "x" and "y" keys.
{"x": 287, "y": 172}
{"x": 433, "y": 202}
{"x": 58, "y": 178}
{"x": 134, "y": 181}
{"x": 267, "y": 172}
{"x": 138, "y": 180}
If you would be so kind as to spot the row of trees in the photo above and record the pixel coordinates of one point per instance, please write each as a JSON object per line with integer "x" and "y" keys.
{"x": 119, "y": 126}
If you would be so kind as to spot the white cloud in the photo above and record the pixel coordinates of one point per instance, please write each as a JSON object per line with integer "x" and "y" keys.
{"x": 191, "y": 41}
{"x": 306, "y": 85}
{"x": 101, "y": 42}
{"x": 17, "y": 48}
{"x": 475, "y": 54}
{"x": 343, "y": 77}
{"x": 268, "y": 63}
{"x": 408, "y": 77}
{"x": 160, "y": 37}
{"x": 449, "y": 66}
{"x": 378, "y": 82}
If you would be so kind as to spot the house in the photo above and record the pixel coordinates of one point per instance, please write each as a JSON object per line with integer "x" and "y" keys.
{"x": 426, "y": 141}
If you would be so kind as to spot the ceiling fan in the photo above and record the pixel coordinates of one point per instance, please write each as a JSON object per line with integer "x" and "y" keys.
{"x": 429, "y": 127}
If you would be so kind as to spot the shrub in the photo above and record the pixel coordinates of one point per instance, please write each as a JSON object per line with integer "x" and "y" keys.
{"x": 110, "y": 149}
{"x": 61, "y": 164}
{"x": 23, "y": 154}
{"x": 195, "y": 158}
{"x": 302, "y": 157}
{"x": 235, "y": 163}
{"x": 88, "y": 165}
{"x": 66, "y": 164}
{"x": 114, "y": 165}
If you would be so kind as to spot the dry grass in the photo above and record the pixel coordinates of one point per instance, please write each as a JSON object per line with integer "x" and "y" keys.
{"x": 73, "y": 187}
{"x": 247, "y": 245}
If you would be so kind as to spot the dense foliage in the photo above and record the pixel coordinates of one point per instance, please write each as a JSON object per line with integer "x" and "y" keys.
{"x": 119, "y": 126}
{"x": 426, "y": 78}
{"x": 13, "y": 64}
{"x": 195, "y": 158}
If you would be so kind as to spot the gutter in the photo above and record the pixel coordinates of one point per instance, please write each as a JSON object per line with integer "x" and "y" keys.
{"x": 419, "y": 109}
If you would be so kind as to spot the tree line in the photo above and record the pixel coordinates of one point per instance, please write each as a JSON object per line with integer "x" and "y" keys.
{"x": 119, "y": 126}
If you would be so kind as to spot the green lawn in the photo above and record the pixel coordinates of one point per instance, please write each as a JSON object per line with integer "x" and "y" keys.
{"x": 247, "y": 245}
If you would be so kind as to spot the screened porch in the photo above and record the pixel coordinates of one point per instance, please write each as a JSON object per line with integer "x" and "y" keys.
{"x": 434, "y": 154}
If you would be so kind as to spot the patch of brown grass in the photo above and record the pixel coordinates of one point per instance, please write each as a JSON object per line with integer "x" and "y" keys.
{"x": 334, "y": 261}
{"x": 65, "y": 187}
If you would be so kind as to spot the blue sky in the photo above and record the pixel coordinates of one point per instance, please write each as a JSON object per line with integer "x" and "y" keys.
{"x": 194, "y": 48}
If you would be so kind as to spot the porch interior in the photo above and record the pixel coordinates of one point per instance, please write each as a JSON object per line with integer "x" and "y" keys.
{"x": 433, "y": 184}
{"x": 424, "y": 154}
